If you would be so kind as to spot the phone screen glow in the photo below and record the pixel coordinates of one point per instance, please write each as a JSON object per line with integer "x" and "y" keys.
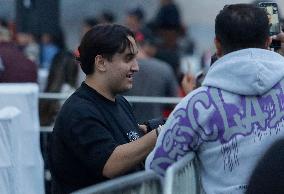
{"x": 272, "y": 13}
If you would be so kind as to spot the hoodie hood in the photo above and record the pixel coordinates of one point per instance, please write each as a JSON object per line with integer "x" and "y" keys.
{"x": 246, "y": 72}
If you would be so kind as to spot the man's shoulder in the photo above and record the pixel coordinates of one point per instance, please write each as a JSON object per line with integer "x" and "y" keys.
{"x": 76, "y": 112}
{"x": 122, "y": 101}
{"x": 78, "y": 106}
{"x": 199, "y": 95}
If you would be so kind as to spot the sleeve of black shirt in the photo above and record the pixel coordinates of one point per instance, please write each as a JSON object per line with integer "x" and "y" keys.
{"x": 92, "y": 143}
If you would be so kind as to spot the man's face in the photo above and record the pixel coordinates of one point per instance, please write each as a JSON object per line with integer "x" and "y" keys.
{"x": 121, "y": 69}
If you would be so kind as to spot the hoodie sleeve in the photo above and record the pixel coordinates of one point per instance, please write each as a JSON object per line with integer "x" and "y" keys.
{"x": 180, "y": 135}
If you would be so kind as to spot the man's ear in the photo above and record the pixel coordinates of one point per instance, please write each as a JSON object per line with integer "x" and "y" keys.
{"x": 219, "y": 50}
{"x": 100, "y": 63}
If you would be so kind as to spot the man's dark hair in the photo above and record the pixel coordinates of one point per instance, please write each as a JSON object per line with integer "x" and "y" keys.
{"x": 241, "y": 26}
{"x": 105, "y": 40}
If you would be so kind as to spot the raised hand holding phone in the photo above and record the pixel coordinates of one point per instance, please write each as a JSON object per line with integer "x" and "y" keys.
{"x": 280, "y": 37}
{"x": 274, "y": 22}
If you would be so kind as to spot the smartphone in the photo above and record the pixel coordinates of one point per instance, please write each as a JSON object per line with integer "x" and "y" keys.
{"x": 274, "y": 21}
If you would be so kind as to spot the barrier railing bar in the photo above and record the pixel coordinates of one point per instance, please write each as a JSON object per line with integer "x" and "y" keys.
{"x": 159, "y": 100}
{"x": 134, "y": 99}
{"x": 54, "y": 96}
{"x": 46, "y": 129}
{"x": 121, "y": 183}
{"x": 168, "y": 181}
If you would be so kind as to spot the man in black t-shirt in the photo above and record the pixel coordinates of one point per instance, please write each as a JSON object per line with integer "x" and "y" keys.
{"x": 96, "y": 136}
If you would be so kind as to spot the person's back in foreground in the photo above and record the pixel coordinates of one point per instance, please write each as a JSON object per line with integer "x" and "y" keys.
{"x": 238, "y": 112}
{"x": 268, "y": 176}
{"x": 96, "y": 136}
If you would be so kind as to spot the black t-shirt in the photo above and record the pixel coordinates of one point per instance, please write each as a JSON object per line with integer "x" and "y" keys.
{"x": 87, "y": 130}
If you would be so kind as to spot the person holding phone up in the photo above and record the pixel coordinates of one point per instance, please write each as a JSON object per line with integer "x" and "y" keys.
{"x": 231, "y": 120}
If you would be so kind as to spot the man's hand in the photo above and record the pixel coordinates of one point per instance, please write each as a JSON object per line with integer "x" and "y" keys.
{"x": 143, "y": 128}
{"x": 188, "y": 83}
{"x": 280, "y": 37}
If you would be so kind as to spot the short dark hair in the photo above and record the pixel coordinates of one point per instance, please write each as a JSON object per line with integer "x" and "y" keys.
{"x": 105, "y": 40}
{"x": 241, "y": 26}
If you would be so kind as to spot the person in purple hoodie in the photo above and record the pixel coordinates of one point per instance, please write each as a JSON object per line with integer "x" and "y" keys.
{"x": 237, "y": 114}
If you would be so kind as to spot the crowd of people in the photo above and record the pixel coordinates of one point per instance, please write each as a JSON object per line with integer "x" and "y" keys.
{"x": 231, "y": 116}
{"x": 162, "y": 41}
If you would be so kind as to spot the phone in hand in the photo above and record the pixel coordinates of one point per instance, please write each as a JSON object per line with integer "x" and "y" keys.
{"x": 274, "y": 21}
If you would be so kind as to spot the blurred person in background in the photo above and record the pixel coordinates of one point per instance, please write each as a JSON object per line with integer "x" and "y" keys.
{"x": 190, "y": 81}
{"x": 14, "y": 65}
{"x": 237, "y": 114}
{"x": 168, "y": 26}
{"x": 4, "y": 23}
{"x": 96, "y": 136}
{"x": 155, "y": 78}
{"x": 10, "y": 26}
{"x": 28, "y": 44}
{"x": 135, "y": 20}
{"x": 62, "y": 78}
{"x": 88, "y": 24}
{"x": 188, "y": 84}
{"x": 51, "y": 44}
{"x": 106, "y": 17}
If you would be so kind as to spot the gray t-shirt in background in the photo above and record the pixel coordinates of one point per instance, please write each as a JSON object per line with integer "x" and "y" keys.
{"x": 155, "y": 78}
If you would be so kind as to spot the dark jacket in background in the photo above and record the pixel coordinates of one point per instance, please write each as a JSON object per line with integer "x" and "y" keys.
{"x": 15, "y": 67}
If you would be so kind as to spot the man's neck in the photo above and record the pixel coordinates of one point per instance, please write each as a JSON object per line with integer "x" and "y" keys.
{"x": 99, "y": 87}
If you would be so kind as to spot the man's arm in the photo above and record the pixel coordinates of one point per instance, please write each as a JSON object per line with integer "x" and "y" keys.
{"x": 179, "y": 135}
{"x": 125, "y": 157}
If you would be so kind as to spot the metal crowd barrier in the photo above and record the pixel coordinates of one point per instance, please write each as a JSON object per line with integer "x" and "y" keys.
{"x": 134, "y": 99}
{"x": 145, "y": 182}
{"x": 182, "y": 177}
